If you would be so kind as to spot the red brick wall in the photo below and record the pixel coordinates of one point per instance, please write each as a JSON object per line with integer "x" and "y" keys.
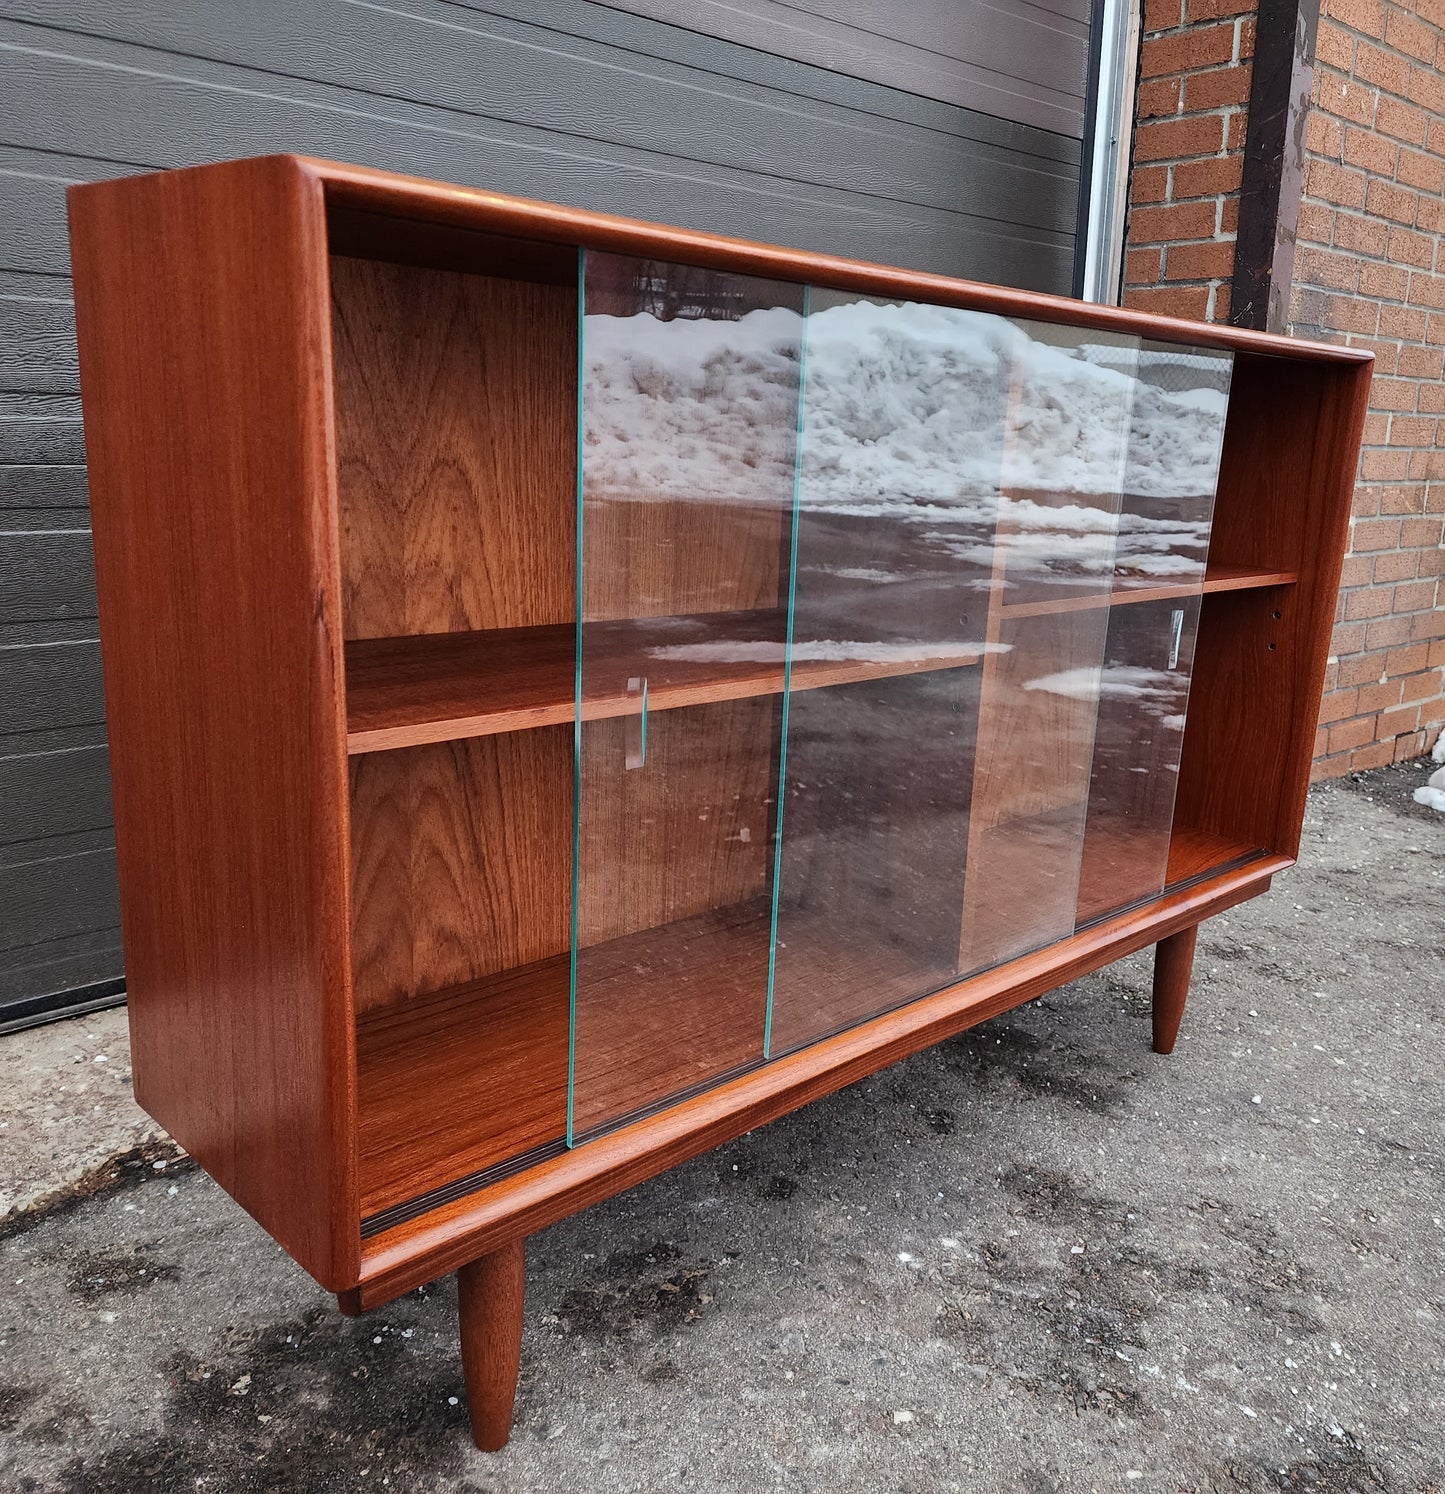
{"x": 1194, "y": 70}
{"x": 1370, "y": 270}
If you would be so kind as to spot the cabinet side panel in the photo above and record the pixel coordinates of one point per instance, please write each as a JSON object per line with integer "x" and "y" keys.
{"x": 201, "y": 311}
{"x": 1287, "y": 479}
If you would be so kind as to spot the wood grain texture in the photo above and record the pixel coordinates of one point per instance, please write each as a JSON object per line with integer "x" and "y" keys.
{"x": 490, "y": 1296}
{"x": 1286, "y": 483}
{"x": 1173, "y": 963}
{"x": 357, "y": 187}
{"x": 201, "y": 307}
{"x": 688, "y": 832}
{"x": 1217, "y": 578}
{"x": 461, "y": 1080}
{"x": 449, "y": 1236}
{"x": 440, "y": 686}
{"x": 456, "y": 416}
{"x": 461, "y": 861}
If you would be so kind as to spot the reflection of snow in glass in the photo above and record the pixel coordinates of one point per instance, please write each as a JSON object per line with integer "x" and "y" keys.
{"x": 1150, "y": 690}
{"x": 903, "y": 403}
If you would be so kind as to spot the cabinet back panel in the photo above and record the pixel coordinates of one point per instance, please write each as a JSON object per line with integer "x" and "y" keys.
{"x": 456, "y": 418}
{"x": 461, "y": 861}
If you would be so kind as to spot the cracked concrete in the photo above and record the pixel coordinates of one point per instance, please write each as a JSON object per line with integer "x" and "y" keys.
{"x": 1037, "y": 1258}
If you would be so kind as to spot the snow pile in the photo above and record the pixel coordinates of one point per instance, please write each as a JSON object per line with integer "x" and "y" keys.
{"x": 927, "y": 407}
{"x": 1432, "y": 795}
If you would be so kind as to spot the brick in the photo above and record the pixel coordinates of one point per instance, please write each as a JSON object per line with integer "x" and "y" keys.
{"x": 1427, "y": 88}
{"x": 1341, "y": 185}
{"x": 1431, "y": 215}
{"x": 1400, "y": 120}
{"x": 1437, "y": 653}
{"x": 1211, "y": 10}
{"x": 1358, "y": 235}
{"x": 1426, "y": 464}
{"x": 1356, "y": 571}
{"x": 1361, "y": 669}
{"x": 1217, "y": 87}
{"x": 1412, "y": 430}
{"x": 1385, "y": 200}
{"x": 1419, "y": 532}
{"x": 1411, "y": 744}
{"x": 1335, "y": 46}
{"x": 1236, "y": 127}
{"x": 1324, "y": 267}
{"x": 1365, "y": 149}
{"x": 1354, "y": 733}
{"x": 1374, "y": 65}
{"x": 1384, "y": 282}
{"x": 1405, "y": 322}
{"x": 1244, "y": 46}
{"x": 1410, "y": 248}
{"x": 1393, "y": 723}
{"x": 1410, "y": 659}
{"x": 1377, "y": 429}
{"x": 1172, "y": 223}
{"x": 1422, "y": 363}
{"x": 1400, "y": 498}
{"x": 1345, "y": 96}
{"x": 1187, "y": 51}
{"x": 1382, "y": 466}
{"x": 1189, "y": 301}
{"x": 1177, "y": 139}
{"x": 1378, "y": 697}
{"x": 1418, "y": 170}
{"x": 1318, "y": 224}
{"x": 1432, "y": 399}
{"x": 1392, "y": 394}
{"x": 1396, "y": 565}
{"x": 1149, "y": 184}
{"x": 1385, "y": 631}
{"x": 1219, "y": 304}
{"x": 1229, "y": 215}
{"x": 1366, "y": 503}
{"x": 1160, "y": 96}
{"x": 1376, "y": 534}
{"x": 1351, "y": 314}
{"x": 1338, "y": 705}
{"x": 1142, "y": 266}
{"x": 1406, "y": 34}
{"x": 1373, "y": 601}
{"x": 1432, "y": 562}
{"x": 1427, "y": 625}
{"x": 1414, "y": 596}
{"x": 1364, "y": 16}
{"x": 1427, "y": 290}
{"x": 1211, "y": 178}
{"x": 1434, "y": 499}
{"x": 1163, "y": 15}
{"x": 1376, "y": 755}
{"x": 1199, "y": 261}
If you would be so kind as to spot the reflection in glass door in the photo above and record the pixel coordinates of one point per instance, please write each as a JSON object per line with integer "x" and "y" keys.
{"x": 1068, "y": 442}
{"x": 900, "y": 463}
{"x": 689, "y": 410}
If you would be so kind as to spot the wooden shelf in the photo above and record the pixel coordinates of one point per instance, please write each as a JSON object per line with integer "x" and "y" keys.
{"x": 1216, "y": 578}
{"x": 662, "y": 1013}
{"x": 436, "y": 687}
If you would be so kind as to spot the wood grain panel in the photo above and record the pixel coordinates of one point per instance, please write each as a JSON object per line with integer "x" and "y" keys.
{"x": 456, "y": 410}
{"x": 201, "y": 304}
{"x": 461, "y": 861}
{"x": 689, "y": 831}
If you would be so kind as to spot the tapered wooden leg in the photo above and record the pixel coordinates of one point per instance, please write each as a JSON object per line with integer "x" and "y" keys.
{"x": 490, "y": 1292}
{"x": 1173, "y": 960}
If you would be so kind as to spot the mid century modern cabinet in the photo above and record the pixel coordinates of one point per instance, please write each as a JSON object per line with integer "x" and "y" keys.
{"x": 579, "y": 689}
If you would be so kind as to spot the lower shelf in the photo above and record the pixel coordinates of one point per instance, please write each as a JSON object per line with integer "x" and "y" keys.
{"x": 453, "y": 1086}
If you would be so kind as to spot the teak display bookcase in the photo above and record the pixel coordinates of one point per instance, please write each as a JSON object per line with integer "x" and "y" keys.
{"x": 579, "y": 689}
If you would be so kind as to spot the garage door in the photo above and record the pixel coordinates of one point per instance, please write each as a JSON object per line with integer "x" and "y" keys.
{"x": 943, "y": 136}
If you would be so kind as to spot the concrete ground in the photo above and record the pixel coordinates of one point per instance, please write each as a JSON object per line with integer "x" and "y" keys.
{"x": 1036, "y": 1258}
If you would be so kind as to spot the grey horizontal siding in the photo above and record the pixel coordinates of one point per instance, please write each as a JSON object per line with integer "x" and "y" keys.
{"x": 578, "y": 102}
{"x": 1019, "y": 60}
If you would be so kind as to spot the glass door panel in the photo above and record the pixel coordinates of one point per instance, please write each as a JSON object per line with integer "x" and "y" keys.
{"x": 689, "y": 413}
{"x": 1068, "y": 445}
{"x": 899, "y": 469}
{"x": 1176, "y": 434}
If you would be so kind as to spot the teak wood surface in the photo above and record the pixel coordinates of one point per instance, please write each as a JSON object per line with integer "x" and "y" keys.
{"x": 247, "y": 331}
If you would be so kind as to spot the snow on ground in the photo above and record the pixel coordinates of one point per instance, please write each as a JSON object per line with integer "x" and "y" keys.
{"x": 1432, "y": 795}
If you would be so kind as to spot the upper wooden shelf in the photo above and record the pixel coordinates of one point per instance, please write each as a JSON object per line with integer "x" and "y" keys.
{"x": 437, "y": 687}
{"x": 1216, "y": 578}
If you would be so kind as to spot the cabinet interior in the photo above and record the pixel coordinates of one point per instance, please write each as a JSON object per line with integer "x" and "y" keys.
{"x": 929, "y": 794}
